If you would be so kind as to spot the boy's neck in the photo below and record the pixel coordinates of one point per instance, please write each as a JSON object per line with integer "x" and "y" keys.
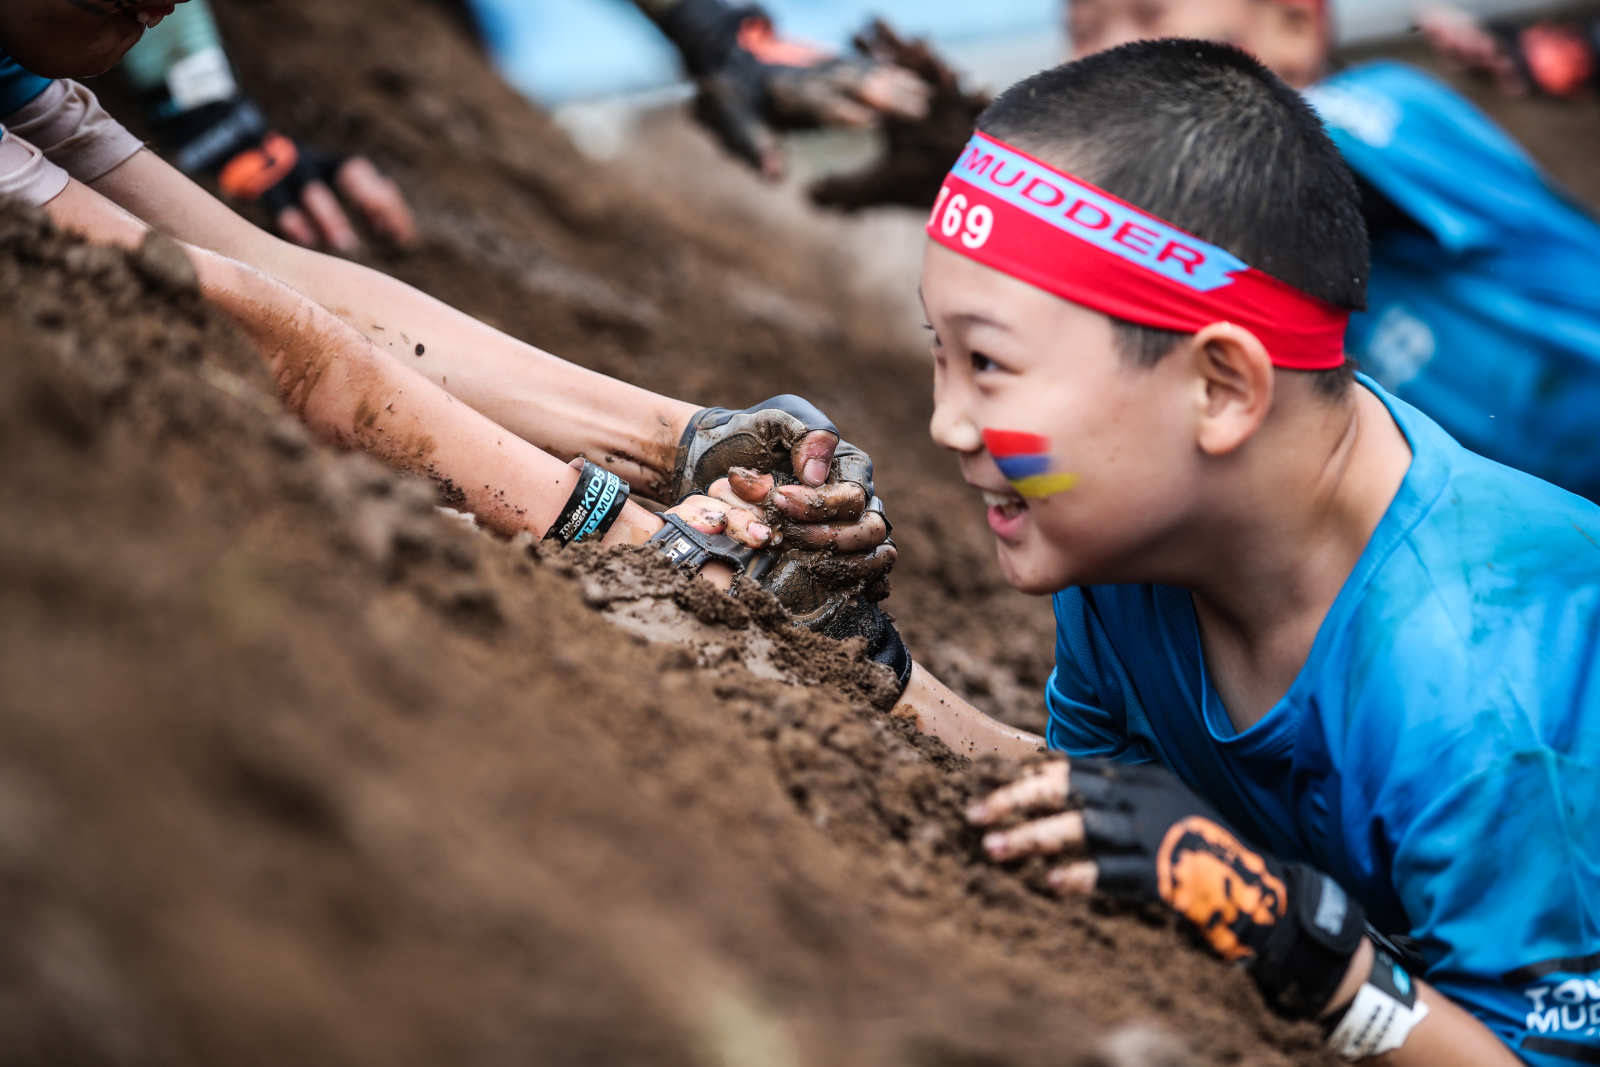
{"x": 1285, "y": 542}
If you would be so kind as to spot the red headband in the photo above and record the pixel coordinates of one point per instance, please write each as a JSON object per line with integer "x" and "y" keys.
{"x": 1022, "y": 217}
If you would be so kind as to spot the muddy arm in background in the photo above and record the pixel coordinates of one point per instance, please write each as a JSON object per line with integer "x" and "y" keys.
{"x": 351, "y": 393}
{"x": 564, "y": 409}
{"x": 561, "y": 408}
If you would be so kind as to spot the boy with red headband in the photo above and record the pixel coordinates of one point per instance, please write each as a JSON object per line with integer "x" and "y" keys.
{"x": 1473, "y": 316}
{"x": 1328, "y": 680}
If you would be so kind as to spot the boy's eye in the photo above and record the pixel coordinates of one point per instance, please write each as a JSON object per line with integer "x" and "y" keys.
{"x": 981, "y": 363}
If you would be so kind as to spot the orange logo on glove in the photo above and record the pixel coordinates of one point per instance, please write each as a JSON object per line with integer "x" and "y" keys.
{"x": 1212, "y": 880}
{"x": 249, "y": 175}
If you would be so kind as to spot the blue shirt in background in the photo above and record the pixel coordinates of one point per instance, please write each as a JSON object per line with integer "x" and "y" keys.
{"x": 1486, "y": 313}
{"x": 1438, "y": 754}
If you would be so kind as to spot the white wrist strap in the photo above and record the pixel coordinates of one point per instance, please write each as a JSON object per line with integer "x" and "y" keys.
{"x": 1383, "y": 1014}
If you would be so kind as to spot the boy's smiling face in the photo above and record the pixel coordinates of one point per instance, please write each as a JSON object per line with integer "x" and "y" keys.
{"x": 1122, "y": 468}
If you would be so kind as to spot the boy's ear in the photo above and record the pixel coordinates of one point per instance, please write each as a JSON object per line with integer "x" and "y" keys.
{"x": 1235, "y": 378}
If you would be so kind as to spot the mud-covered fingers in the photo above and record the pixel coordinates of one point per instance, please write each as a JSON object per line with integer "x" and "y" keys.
{"x": 834, "y": 502}
{"x": 858, "y": 536}
{"x": 812, "y": 456}
{"x": 864, "y": 567}
{"x": 1042, "y": 790}
{"x": 752, "y": 487}
{"x": 839, "y": 108}
{"x": 323, "y": 207}
{"x": 704, "y": 513}
{"x": 746, "y": 525}
{"x": 379, "y": 198}
{"x": 1080, "y": 878}
{"x": 895, "y": 91}
{"x": 1041, "y": 837}
{"x": 747, "y": 528}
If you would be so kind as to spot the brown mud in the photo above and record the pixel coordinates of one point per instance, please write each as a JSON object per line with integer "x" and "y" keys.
{"x": 294, "y": 769}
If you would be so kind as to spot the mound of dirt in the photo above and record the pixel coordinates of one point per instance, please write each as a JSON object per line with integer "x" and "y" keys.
{"x": 293, "y": 769}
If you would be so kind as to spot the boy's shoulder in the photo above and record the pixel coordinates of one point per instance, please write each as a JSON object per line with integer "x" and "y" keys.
{"x": 1481, "y": 608}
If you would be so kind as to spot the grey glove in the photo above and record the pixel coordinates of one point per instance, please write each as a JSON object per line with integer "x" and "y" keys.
{"x": 762, "y": 437}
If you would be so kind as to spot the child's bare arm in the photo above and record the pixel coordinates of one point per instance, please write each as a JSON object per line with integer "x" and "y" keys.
{"x": 563, "y": 408}
{"x": 350, "y": 392}
{"x": 937, "y": 710}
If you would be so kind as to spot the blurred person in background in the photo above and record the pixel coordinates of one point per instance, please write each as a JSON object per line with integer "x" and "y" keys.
{"x": 208, "y": 127}
{"x": 1556, "y": 58}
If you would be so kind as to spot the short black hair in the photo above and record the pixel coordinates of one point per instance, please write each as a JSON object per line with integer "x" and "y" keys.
{"x": 1205, "y": 137}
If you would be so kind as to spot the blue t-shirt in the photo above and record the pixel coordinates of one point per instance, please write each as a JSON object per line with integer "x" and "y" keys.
{"x": 1486, "y": 315}
{"x": 1439, "y": 752}
{"x": 17, "y": 86}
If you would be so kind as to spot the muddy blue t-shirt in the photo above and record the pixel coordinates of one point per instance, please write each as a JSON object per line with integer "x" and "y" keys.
{"x": 1438, "y": 754}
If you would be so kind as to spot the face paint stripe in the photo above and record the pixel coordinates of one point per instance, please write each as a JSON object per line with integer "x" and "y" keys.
{"x": 1006, "y": 443}
{"x": 1044, "y": 485}
{"x": 1017, "y": 467}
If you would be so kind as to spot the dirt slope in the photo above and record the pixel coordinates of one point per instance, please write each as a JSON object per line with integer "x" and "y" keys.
{"x": 294, "y": 770}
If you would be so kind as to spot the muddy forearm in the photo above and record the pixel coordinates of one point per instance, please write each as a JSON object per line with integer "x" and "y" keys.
{"x": 558, "y": 406}
{"x": 564, "y": 409}
{"x": 935, "y": 709}
{"x": 352, "y": 394}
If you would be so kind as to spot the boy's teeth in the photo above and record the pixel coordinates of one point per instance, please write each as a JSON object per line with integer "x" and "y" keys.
{"x": 143, "y": 17}
{"x": 1000, "y": 500}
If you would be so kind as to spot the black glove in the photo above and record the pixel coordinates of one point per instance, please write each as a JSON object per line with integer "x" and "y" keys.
{"x": 230, "y": 141}
{"x": 761, "y": 437}
{"x": 1152, "y": 839}
{"x": 841, "y": 616}
{"x": 751, "y": 82}
{"x": 859, "y": 617}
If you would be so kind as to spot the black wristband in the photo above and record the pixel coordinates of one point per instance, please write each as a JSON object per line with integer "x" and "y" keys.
{"x": 594, "y": 505}
{"x": 865, "y": 619}
{"x": 1307, "y": 954}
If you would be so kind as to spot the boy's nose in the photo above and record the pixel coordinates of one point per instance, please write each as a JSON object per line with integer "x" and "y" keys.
{"x": 951, "y": 428}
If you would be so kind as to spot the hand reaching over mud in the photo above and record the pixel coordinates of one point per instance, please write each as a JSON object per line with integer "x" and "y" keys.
{"x": 752, "y": 83}
{"x": 918, "y": 151}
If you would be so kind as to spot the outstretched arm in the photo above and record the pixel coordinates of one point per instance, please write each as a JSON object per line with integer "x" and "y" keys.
{"x": 564, "y": 409}
{"x": 207, "y": 125}
{"x": 351, "y": 393}
{"x": 1137, "y": 833}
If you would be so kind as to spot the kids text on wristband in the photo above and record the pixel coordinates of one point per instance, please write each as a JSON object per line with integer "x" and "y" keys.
{"x": 1016, "y": 214}
{"x": 1024, "y": 460}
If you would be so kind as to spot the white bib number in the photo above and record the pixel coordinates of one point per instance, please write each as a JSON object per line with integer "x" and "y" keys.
{"x": 955, "y": 215}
